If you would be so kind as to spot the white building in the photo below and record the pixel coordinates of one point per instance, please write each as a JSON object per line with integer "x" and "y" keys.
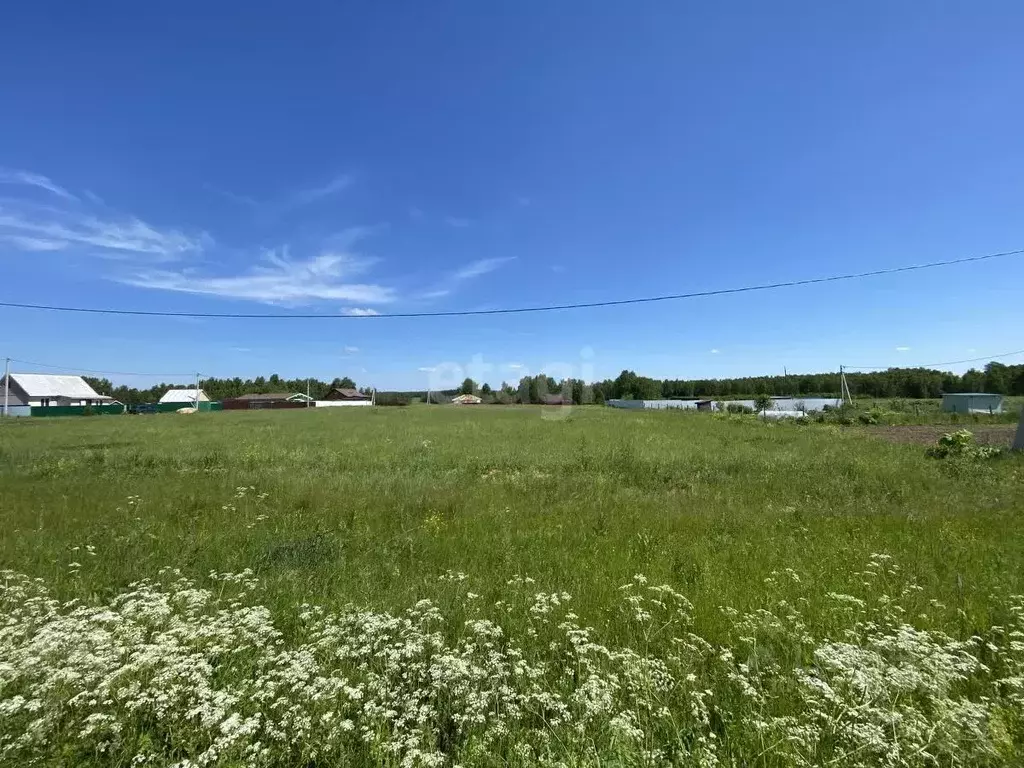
{"x": 184, "y": 396}
{"x": 44, "y": 389}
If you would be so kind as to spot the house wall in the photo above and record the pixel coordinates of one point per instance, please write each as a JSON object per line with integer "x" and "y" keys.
{"x": 339, "y": 403}
{"x": 259, "y": 405}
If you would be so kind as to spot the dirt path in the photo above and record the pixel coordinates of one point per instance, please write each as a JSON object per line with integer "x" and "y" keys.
{"x": 999, "y": 435}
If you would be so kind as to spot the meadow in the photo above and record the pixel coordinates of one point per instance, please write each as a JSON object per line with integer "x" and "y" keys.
{"x": 501, "y": 586}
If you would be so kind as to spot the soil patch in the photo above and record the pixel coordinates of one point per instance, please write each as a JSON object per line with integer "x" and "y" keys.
{"x": 998, "y": 435}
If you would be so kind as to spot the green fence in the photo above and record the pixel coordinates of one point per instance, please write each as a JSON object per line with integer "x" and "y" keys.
{"x": 76, "y": 410}
{"x": 97, "y": 410}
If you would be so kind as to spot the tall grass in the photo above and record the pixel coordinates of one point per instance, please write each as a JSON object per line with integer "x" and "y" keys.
{"x": 778, "y": 546}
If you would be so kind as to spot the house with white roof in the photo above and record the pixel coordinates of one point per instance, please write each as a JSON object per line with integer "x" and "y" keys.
{"x": 44, "y": 389}
{"x": 184, "y": 396}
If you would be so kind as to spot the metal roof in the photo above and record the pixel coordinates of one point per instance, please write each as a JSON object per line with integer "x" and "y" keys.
{"x": 183, "y": 396}
{"x": 50, "y": 385}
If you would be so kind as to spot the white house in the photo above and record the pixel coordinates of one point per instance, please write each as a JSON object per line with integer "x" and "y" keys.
{"x": 43, "y": 389}
{"x": 184, "y": 396}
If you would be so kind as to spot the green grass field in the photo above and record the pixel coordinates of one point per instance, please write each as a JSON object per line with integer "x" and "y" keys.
{"x": 788, "y": 542}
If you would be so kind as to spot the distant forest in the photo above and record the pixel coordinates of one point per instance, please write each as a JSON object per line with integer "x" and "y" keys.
{"x": 894, "y": 382}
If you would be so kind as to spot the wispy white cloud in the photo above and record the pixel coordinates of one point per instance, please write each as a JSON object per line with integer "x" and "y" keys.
{"x": 457, "y": 221}
{"x": 437, "y": 293}
{"x": 715, "y": 351}
{"x": 312, "y": 194}
{"x": 416, "y": 214}
{"x": 240, "y": 349}
{"x": 227, "y": 194}
{"x": 902, "y": 349}
{"x": 514, "y": 366}
{"x": 279, "y": 280}
{"x": 480, "y": 267}
{"x": 26, "y": 178}
{"x": 426, "y": 369}
{"x": 359, "y": 312}
{"x": 37, "y": 228}
{"x": 295, "y": 199}
{"x": 27, "y": 243}
{"x": 351, "y": 350}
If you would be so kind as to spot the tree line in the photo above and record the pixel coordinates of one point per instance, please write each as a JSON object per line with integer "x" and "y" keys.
{"x": 221, "y": 389}
{"x": 996, "y": 378}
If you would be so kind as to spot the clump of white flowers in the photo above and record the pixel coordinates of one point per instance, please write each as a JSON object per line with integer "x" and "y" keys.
{"x": 171, "y": 673}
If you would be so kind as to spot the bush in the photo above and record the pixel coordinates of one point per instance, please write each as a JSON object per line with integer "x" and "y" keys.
{"x": 738, "y": 408}
{"x": 960, "y": 444}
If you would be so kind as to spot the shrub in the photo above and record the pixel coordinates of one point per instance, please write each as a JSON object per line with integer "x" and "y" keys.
{"x": 960, "y": 444}
{"x": 739, "y": 408}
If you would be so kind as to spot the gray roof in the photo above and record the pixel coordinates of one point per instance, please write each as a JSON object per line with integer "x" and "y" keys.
{"x": 52, "y": 385}
{"x": 183, "y": 396}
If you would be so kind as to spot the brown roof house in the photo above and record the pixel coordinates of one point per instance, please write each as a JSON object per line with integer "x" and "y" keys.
{"x": 345, "y": 393}
{"x": 261, "y": 400}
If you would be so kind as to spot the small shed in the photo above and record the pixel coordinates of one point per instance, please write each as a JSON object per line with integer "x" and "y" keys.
{"x": 705, "y": 405}
{"x": 972, "y": 402}
{"x": 184, "y": 396}
{"x": 466, "y": 400}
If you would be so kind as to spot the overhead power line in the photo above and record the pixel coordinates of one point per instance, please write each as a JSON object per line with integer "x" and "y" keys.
{"x": 517, "y": 310}
{"x": 71, "y": 369}
{"x": 936, "y": 365}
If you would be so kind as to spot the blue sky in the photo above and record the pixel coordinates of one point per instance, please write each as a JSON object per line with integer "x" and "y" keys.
{"x": 356, "y": 158}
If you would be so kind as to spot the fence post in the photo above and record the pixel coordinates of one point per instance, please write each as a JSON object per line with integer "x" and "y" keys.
{"x": 1018, "y": 443}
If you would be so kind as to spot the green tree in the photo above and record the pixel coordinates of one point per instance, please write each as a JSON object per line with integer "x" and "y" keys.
{"x": 468, "y": 387}
{"x": 343, "y": 383}
{"x": 762, "y": 403}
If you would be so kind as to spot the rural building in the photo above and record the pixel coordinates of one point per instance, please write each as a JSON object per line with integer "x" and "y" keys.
{"x": 262, "y": 400}
{"x": 466, "y": 400}
{"x": 705, "y": 405}
{"x": 44, "y": 389}
{"x": 184, "y": 396}
{"x": 345, "y": 393}
{"x": 972, "y": 402}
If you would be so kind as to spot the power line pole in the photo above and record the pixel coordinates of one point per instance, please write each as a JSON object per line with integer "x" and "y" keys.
{"x": 844, "y": 388}
{"x": 7, "y": 385}
{"x": 307, "y": 392}
{"x": 197, "y": 391}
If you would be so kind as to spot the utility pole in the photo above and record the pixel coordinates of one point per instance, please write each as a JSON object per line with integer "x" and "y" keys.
{"x": 307, "y": 392}
{"x": 7, "y": 384}
{"x": 197, "y": 391}
{"x": 844, "y": 388}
